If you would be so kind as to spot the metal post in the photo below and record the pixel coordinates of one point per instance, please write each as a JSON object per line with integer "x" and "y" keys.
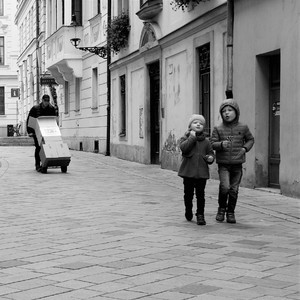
{"x": 108, "y": 61}
{"x": 37, "y": 51}
{"x": 230, "y": 12}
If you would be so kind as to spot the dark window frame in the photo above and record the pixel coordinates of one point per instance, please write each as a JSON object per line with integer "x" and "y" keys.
{"x": 77, "y": 11}
{"x": 123, "y": 127}
{"x": 2, "y": 100}
{"x": 1, "y": 7}
{"x": 204, "y": 85}
{"x": 2, "y": 50}
{"x": 98, "y": 7}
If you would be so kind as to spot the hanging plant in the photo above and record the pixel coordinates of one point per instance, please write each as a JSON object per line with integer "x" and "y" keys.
{"x": 117, "y": 32}
{"x": 183, "y": 4}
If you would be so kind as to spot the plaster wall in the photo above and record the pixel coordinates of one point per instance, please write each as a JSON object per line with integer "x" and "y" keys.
{"x": 262, "y": 28}
{"x": 8, "y": 70}
{"x": 167, "y": 21}
{"x": 180, "y": 92}
{"x": 88, "y": 124}
{"x": 132, "y": 146}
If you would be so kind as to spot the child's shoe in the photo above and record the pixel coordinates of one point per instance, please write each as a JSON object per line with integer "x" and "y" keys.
{"x": 230, "y": 218}
{"x": 189, "y": 215}
{"x": 220, "y": 214}
{"x": 201, "y": 220}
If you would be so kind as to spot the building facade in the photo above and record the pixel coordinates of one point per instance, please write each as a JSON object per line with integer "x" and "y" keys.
{"x": 81, "y": 75}
{"x": 9, "y": 87}
{"x": 175, "y": 64}
{"x": 266, "y": 80}
{"x": 49, "y": 64}
{"x": 30, "y": 20}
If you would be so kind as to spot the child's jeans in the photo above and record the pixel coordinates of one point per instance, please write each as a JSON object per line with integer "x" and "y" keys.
{"x": 230, "y": 179}
{"x": 191, "y": 184}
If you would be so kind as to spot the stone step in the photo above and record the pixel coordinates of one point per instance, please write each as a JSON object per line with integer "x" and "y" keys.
{"x": 16, "y": 141}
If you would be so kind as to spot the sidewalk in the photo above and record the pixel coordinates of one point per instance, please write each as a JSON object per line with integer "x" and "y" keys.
{"x": 114, "y": 229}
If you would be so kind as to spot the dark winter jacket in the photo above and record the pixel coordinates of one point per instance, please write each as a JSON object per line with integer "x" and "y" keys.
{"x": 195, "y": 150}
{"x": 238, "y": 133}
{"x": 38, "y": 111}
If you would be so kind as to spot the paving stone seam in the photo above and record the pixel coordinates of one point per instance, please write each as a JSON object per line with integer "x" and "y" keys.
{"x": 3, "y": 166}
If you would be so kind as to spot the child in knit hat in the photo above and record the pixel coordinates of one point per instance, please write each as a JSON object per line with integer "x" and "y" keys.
{"x": 197, "y": 153}
{"x": 231, "y": 140}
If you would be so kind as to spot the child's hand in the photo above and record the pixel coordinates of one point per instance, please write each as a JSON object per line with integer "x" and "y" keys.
{"x": 193, "y": 133}
{"x": 209, "y": 159}
{"x": 226, "y": 144}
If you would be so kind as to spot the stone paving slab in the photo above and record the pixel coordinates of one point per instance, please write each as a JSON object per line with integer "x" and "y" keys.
{"x": 114, "y": 229}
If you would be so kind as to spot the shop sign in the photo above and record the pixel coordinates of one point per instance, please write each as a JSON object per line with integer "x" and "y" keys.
{"x": 15, "y": 92}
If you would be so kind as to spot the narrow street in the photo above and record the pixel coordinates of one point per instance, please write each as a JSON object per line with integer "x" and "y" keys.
{"x": 114, "y": 229}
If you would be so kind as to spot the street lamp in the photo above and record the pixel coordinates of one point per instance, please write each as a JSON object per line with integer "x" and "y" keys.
{"x": 101, "y": 51}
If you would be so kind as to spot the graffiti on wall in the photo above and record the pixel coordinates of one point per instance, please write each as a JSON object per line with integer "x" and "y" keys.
{"x": 171, "y": 144}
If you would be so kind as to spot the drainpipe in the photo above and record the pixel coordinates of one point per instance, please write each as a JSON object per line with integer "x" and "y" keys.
{"x": 108, "y": 61}
{"x": 37, "y": 51}
{"x": 230, "y": 12}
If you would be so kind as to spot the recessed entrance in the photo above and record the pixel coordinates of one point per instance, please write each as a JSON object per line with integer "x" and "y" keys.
{"x": 274, "y": 121}
{"x": 154, "y": 75}
{"x": 267, "y": 120}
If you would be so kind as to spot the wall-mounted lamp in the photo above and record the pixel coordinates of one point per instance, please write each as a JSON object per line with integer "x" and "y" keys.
{"x": 101, "y": 51}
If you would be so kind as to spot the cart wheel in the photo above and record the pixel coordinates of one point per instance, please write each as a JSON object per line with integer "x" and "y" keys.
{"x": 64, "y": 169}
{"x": 44, "y": 170}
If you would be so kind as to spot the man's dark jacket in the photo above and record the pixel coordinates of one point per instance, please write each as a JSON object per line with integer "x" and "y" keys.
{"x": 38, "y": 111}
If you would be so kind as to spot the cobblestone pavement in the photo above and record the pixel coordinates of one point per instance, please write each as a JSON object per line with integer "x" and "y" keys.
{"x": 114, "y": 229}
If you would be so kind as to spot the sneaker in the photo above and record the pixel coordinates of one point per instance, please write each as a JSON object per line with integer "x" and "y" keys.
{"x": 38, "y": 168}
{"x": 189, "y": 215}
{"x": 201, "y": 220}
{"x": 220, "y": 214}
{"x": 230, "y": 218}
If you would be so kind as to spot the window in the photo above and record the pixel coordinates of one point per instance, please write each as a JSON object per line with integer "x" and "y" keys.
{"x": 60, "y": 13}
{"x": 67, "y": 97}
{"x": 2, "y": 101}
{"x": 204, "y": 84}
{"x": 1, "y": 8}
{"x": 98, "y": 6}
{"x": 1, "y": 50}
{"x": 63, "y": 12}
{"x": 94, "y": 88}
{"x": 77, "y": 93}
{"x": 77, "y": 10}
{"x": 122, "y": 6}
{"x": 122, "y": 106}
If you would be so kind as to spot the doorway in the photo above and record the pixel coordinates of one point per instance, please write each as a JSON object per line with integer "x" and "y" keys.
{"x": 154, "y": 75}
{"x": 274, "y": 122}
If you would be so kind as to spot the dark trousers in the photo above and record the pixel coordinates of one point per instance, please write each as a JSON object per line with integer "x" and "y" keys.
{"x": 230, "y": 179}
{"x": 191, "y": 185}
{"x": 37, "y": 152}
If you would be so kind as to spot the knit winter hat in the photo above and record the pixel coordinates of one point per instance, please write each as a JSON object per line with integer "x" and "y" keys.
{"x": 230, "y": 102}
{"x": 196, "y": 117}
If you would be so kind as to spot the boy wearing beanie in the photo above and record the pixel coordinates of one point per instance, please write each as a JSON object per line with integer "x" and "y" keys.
{"x": 231, "y": 140}
{"x": 197, "y": 153}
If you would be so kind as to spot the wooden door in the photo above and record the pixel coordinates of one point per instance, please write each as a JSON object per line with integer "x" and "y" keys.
{"x": 154, "y": 112}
